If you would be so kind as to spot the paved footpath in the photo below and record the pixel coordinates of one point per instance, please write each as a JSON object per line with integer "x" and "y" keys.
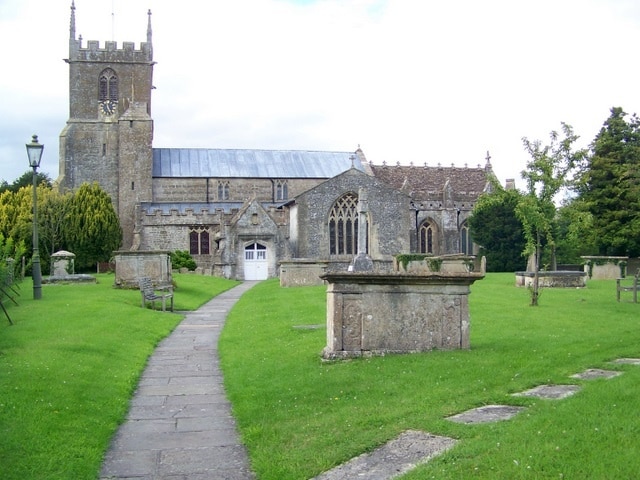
{"x": 179, "y": 425}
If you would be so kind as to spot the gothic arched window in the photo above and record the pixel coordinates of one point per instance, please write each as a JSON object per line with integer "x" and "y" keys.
{"x": 343, "y": 226}
{"x": 427, "y": 237}
{"x": 466, "y": 244}
{"x": 199, "y": 241}
{"x": 108, "y": 85}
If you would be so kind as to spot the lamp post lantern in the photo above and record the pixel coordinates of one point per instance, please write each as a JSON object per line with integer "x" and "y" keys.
{"x": 34, "y": 152}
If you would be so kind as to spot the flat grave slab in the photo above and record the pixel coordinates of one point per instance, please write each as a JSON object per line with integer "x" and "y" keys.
{"x": 486, "y": 414}
{"x": 553, "y": 392}
{"x": 594, "y": 373}
{"x": 627, "y": 361}
{"x": 392, "y": 459}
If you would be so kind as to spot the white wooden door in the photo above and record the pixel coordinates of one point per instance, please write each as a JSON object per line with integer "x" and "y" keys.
{"x": 256, "y": 265}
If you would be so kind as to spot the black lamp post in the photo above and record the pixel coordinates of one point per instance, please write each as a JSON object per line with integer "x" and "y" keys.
{"x": 34, "y": 152}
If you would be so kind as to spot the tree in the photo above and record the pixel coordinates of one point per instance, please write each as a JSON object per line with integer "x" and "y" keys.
{"x": 609, "y": 185}
{"x": 53, "y": 208}
{"x": 25, "y": 180}
{"x": 92, "y": 228}
{"x": 495, "y": 226}
{"x": 575, "y": 235}
{"x": 547, "y": 173}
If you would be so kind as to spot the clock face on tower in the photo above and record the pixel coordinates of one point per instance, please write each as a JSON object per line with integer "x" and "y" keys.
{"x": 108, "y": 107}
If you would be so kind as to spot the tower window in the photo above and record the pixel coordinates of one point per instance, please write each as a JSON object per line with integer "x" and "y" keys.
{"x": 108, "y": 86}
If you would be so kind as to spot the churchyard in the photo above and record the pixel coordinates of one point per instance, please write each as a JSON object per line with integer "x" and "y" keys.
{"x": 70, "y": 363}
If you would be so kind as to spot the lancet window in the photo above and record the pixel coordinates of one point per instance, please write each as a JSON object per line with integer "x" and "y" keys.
{"x": 427, "y": 237}
{"x": 199, "y": 241}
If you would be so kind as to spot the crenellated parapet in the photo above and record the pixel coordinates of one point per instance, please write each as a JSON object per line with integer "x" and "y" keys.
{"x": 109, "y": 52}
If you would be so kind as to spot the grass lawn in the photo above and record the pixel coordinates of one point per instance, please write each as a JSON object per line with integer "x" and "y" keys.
{"x": 300, "y": 416}
{"x": 68, "y": 368}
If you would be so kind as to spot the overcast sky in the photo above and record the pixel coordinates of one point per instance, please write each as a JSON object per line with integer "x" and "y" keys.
{"x": 407, "y": 80}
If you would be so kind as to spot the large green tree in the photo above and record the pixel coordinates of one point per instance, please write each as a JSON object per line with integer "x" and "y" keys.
{"x": 609, "y": 185}
{"x": 25, "y": 180}
{"x": 497, "y": 229}
{"x": 548, "y": 172}
{"x": 83, "y": 222}
{"x": 575, "y": 235}
{"x": 92, "y": 228}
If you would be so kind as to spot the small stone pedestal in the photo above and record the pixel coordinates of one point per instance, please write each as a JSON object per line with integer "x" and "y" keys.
{"x": 374, "y": 314}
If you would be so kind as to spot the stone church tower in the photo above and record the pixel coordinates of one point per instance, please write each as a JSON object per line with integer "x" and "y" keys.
{"x": 108, "y": 136}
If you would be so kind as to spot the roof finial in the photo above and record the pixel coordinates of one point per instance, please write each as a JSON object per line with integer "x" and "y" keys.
{"x": 149, "y": 27}
{"x": 488, "y": 158}
{"x": 72, "y": 22}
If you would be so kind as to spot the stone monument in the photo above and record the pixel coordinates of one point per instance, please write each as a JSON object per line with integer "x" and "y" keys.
{"x": 403, "y": 311}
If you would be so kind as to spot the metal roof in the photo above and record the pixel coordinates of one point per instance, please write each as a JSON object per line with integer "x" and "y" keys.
{"x": 245, "y": 163}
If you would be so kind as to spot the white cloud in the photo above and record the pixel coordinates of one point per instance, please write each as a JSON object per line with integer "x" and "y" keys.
{"x": 408, "y": 80}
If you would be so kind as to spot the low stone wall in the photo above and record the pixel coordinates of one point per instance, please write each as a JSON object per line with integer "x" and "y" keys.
{"x": 131, "y": 265}
{"x": 301, "y": 273}
{"x": 555, "y": 279}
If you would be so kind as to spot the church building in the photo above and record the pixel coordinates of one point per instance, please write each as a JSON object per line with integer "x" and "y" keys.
{"x": 242, "y": 213}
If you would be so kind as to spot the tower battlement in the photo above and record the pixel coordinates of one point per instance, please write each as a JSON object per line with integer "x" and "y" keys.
{"x": 110, "y": 53}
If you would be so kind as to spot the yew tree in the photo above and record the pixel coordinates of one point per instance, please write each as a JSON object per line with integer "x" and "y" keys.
{"x": 497, "y": 229}
{"x": 610, "y": 185}
{"x": 92, "y": 229}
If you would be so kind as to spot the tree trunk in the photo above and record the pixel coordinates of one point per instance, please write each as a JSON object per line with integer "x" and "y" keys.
{"x": 536, "y": 274}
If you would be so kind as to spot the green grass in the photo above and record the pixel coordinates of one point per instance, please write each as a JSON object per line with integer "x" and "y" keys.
{"x": 300, "y": 416}
{"x": 68, "y": 368}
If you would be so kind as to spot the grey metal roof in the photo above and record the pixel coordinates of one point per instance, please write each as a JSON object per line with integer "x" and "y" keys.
{"x": 245, "y": 163}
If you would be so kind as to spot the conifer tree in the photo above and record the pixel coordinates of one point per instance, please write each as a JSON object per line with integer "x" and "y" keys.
{"x": 610, "y": 185}
{"x": 92, "y": 228}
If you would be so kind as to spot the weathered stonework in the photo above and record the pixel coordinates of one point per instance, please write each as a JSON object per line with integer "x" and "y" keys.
{"x": 130, "y": 266}
{"x": 301, "y": 272}
{"x": 374, "y": 314}
{"x": 554, "y": 279}
{"x": 605, "y": 268}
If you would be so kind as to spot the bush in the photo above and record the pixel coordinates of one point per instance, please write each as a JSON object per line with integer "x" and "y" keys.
{"x": 182, "y": 259}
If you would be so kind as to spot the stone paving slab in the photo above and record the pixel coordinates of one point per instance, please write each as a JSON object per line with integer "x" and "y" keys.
{"x": 595, "y": 373}
{"x": 179, "y": 425}
{"x": 627, "y": 361}
{"x": 392, "y": 459}
{"x": 553, "y": 392}
{"x": 486, "y": 414}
